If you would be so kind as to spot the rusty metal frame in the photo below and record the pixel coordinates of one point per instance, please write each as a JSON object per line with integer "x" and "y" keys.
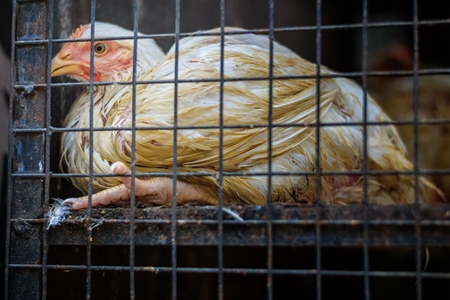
{"x": 317, "y": 225}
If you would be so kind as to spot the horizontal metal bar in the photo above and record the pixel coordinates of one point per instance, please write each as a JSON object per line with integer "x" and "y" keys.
{"x": 425, "y": 72}
{"x": 249, "y": 271}
{"x": 422, "y": 172}
{"x": 293, "y": 225}
{"x": 243, "y": 126}
{"x": 246, "y": 31}
{"x": 102, "y": 221}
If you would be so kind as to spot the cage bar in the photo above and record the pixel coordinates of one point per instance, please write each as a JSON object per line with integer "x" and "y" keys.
{"x": 24, "y": 245}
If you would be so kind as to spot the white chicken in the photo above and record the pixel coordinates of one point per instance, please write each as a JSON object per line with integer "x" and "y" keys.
{"x": 245, "y": 131}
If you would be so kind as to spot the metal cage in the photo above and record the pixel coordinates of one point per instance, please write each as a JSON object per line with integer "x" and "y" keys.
{"x": 231, "y": 251}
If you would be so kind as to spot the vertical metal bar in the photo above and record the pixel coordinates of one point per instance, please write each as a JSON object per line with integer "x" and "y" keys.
{"x": 269, "y": 158}
{"x": 175, "y": 153}
{"x": 26, "y": 151}
{"x": 91, "y": 156}
{"x": 365, "y": 202}
{"x": 133, "y": 150}
{"x": 416, "y": 148}
{"x": 48, "y": 134}
{"x": 318, "y": 168}
{"x": 10, "y": 150}
{"x": 220, "y": 179}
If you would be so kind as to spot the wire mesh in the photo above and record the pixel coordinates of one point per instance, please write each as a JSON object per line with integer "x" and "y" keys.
{"x": 218, "y": 251}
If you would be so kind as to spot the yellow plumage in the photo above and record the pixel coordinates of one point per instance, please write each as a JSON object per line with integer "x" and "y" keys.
{"x": 245, "y": 149}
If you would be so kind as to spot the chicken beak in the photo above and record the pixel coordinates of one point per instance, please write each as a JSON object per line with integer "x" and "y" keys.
{"x": 63, "y": 65}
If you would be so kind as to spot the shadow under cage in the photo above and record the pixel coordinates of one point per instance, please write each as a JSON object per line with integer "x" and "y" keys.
{"x": 233, "y": 251}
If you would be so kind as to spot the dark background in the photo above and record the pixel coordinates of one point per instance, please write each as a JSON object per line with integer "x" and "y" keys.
{"x": 5, "y": 51}
{"x": 341, "y": 48}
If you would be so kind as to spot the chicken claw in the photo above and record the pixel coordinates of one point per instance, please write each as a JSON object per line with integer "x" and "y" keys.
{"x": 157, "y": 190}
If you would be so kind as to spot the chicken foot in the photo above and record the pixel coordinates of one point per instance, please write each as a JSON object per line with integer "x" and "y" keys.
{"x": 156, "y": 190}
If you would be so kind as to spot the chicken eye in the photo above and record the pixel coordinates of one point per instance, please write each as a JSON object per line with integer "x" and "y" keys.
{"x": 100, "y": 48}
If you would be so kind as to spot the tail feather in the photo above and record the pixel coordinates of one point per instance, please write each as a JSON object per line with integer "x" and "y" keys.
{"x": 388, "y": 157}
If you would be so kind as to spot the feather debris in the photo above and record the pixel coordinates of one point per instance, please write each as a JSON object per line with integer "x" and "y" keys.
{"x": 58, "y": 212}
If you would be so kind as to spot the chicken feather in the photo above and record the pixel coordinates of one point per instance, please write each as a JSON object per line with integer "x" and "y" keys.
{"x": 245, "y": 140}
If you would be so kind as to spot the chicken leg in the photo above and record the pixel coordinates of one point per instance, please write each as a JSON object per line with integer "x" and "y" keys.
{"x": 157, "y": 190}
